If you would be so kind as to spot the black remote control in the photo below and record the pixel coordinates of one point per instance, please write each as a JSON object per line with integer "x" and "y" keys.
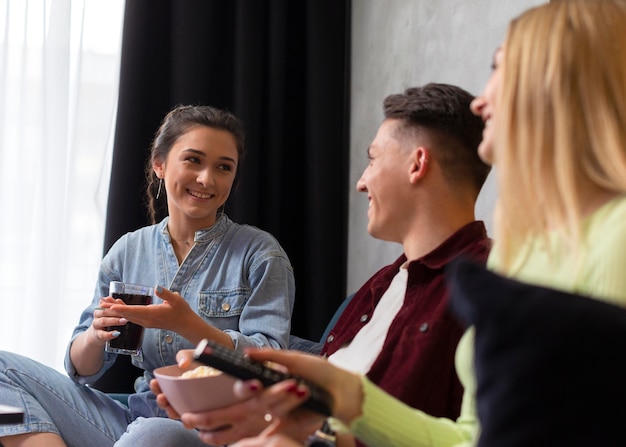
{"x": 238, "y": 365}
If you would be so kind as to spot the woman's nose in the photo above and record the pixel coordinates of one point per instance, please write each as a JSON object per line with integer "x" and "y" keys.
{"x": 477, "y": 105}
{"x": 204, "y": 177}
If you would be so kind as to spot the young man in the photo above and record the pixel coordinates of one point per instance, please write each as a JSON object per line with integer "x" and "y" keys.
{"x": 422, "y": 181}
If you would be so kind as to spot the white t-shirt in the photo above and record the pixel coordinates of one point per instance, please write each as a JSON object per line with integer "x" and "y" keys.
{"x": 360, "y": 354}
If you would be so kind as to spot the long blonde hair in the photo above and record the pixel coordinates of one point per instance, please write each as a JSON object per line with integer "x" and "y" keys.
{"x": 561, "y": 132}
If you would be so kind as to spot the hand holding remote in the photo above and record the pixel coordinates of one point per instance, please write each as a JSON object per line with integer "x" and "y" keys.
{"x": 241, "y": 367}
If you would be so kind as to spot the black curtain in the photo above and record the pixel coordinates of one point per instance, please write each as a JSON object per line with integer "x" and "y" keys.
{"x": 283, "y": 68}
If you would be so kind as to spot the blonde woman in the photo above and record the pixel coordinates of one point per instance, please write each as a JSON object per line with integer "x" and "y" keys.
{"x": 554, "y": 109}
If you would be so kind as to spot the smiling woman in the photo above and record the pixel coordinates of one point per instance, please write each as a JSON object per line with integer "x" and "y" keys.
{"x": 197, "y": 174}
{"x": 215, "y": 279}
{"x": 58, "y": 95}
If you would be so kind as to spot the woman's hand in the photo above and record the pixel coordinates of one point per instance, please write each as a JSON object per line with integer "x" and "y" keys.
{"x": 345, "y": 387}
{"x": 86, "y": 351}
{"x": 229, "y": 424}
{"x": 185, "y": 362}
{"x": 249, "y": 417}
{"x": 105, "y": 320}
{"x": 172, "y": 314}
{"x": 276, "y": 409}
{"x": 276, "y": 440}
{"x": 162, "y": 401}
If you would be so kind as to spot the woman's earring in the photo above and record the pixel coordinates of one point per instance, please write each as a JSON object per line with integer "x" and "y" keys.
{"x": 159, "y": 190}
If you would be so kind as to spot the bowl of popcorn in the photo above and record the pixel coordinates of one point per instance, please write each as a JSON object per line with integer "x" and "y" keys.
{"x": 198, "y": 389}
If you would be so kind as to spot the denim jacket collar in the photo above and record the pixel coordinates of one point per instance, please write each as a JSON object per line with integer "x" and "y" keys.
{"x": 202, "y": 236}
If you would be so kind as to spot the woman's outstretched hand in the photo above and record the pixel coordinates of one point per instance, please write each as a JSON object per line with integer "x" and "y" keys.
{"x": 172, "y": 314}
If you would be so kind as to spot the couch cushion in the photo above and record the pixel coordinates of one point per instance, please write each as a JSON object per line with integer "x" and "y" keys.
{"x": 550, "y": 366}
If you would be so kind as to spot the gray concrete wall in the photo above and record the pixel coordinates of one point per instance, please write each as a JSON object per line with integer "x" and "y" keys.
{"x": 402, "y": 43}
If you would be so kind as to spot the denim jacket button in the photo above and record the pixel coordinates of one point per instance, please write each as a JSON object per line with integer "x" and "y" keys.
{"x": 169, "y": 339}
{"x": 225, "y": 307}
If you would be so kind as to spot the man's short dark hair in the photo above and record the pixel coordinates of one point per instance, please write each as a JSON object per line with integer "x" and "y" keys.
{"x": 442, "y": 113}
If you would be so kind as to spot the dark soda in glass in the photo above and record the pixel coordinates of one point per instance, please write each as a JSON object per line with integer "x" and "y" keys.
{"x": 131, "y": 334}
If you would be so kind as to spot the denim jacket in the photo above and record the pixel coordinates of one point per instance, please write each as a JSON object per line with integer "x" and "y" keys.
{"x": 237, "y": 277}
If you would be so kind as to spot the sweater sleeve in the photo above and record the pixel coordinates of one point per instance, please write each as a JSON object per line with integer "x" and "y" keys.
{"x": 387, "y": 421}
{"x": 605, "y": 236}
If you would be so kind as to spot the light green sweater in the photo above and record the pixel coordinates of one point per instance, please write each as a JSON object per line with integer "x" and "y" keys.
{"x": 388, "y": 422}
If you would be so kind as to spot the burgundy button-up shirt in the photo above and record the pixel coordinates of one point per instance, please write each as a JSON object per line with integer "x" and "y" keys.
{"x": 416, "y": 363}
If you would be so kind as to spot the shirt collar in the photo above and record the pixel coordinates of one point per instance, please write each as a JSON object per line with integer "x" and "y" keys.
{"x": 204, "y": 235}
{"x": 453, "y": 246}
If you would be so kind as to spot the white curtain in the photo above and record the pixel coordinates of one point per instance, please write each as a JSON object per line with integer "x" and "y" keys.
{"x": 59, "y": 70}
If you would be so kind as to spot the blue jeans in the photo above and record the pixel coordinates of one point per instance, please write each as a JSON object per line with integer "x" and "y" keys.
{"x": 82, "y": 416}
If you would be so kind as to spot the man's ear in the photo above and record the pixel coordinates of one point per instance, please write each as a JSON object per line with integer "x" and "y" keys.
{"x": 419, "y": 164}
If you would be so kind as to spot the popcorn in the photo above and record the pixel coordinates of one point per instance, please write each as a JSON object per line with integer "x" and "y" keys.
{"x": 201, "y": 371}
